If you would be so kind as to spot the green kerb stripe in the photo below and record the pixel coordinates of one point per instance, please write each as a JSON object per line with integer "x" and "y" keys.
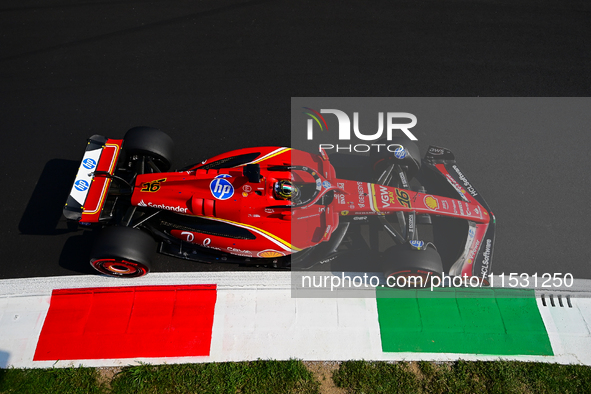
{"x": 475, "y": 321}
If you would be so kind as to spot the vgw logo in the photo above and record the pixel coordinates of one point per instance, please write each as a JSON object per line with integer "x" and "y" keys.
{"x": 344, "y": 133}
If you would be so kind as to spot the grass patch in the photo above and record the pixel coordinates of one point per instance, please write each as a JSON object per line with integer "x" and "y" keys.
{"x": 272, "y": 377}
{"x": 462, "y": 377}
{"x": 50, "y": 381}
{"x": 242, "y": 377}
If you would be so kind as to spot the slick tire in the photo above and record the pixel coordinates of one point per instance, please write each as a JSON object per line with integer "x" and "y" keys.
{"x": 122, "y": 252}
{"x": 416, "y": 266}
{"x": 150, "y": 142}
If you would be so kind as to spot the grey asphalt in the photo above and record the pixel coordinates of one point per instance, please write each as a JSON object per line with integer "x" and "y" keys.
{"x": 219, "y": 75}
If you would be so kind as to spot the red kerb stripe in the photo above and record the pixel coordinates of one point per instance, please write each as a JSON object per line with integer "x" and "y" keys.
{"x": 128, "y": 322}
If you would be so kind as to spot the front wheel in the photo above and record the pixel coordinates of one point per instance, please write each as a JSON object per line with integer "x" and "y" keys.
{"x": 411, "y": 268}
{"x": 122, "y": 252}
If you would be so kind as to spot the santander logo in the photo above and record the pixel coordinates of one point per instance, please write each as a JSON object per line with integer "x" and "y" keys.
{"x": 162, "y": 206}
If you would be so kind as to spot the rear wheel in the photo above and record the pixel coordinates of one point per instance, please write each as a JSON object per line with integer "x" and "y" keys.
{"x": 151, "y": 143}
{"x": 411, "y": 268}
{"x": 122, "y": 252}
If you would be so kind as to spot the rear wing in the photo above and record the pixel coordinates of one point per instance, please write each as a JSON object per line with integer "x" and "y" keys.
{"x": 477, "y": 257}
{"x": 89, "y": 191}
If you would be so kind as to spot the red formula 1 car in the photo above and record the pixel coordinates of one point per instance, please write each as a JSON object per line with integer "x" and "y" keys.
{"x": 277, "y": 207}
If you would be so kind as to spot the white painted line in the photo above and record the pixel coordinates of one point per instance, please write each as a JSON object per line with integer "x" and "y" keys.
{"x": 255, "y": 317}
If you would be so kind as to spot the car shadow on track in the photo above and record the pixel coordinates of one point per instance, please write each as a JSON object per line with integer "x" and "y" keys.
{"x": 75, "y": 255}
{"x": 43, "y": 214}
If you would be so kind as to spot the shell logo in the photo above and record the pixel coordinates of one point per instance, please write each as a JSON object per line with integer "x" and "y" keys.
{"x": 431, "y": 202}
{"x": 270, "y": 253}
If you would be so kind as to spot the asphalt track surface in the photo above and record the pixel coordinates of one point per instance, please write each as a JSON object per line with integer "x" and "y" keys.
{"x": 219, "y": 75}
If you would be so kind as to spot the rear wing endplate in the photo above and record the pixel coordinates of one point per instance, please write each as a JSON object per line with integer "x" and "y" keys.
{"x": 90, "y": 188}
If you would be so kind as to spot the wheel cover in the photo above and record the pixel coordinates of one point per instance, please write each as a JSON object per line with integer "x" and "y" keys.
{"x": 119, "y": 267}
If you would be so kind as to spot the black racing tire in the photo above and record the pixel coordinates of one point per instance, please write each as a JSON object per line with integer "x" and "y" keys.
{"x": 151, "y": 142}
{"x": 122, "y": 252}
{"x": 412, "y": 159}
{"x": 403, "y": 261}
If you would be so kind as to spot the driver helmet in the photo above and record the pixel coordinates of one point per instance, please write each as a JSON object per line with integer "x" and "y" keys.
{"x": 285, "y": 190}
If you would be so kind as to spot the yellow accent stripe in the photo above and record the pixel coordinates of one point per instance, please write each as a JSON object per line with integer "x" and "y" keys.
{"x": 285, "y": 243}
{"x": 273, "y": 155}
{"x": 373, "y": 197}
{"x": 268, "y": 156}
{"x": 107, "y": 182}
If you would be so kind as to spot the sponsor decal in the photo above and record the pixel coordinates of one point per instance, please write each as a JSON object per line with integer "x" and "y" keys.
{"x": 403, "y": 179}
{"x": 309, "y": 216}
{"x": 456, "y": 186}
{"x": 152, "y": 186}
{"x": 270, "y": 253}
{"x": 223, "y": 176}
{"x": 416, "y": 244}
{"x": 478, "y": 212}
{"x": 244, "y": 194}
{"x": 162, "y": 206}
{"x": 436, "y": 151}
{"x": 344, "y": 213}
{"x": 340, "y": 198}
{"x": 400, "y": 153}
{"x": 467, "y": 184}
{"x": 206, "y": 241}
{"x": 486, "y": 259}
{"x": 411, "y": 223}
{"x": 340, "y": 185}
{"x": 360, "y": 218}
{"x": 326, "y": 184}
{"x": 444, "y": 204}
{"x": 190, "y": 236}
{"x": 453, "y": 202}
{"x": 361, "y": 195}
{"x": 431, "y": 202}
{"x": 328, "y": 260}
{"x": 239, "y": 251}
{"x": 221, "y": 188}
{"x": 473, "y": 252}
{"x": 269, "y": 210}
{"x": 327, "y": 230}
{"x": 88, "y": 163}
{"x": 468, "y": 209}
{"x": 81, "y": 185}
{"x": 247, "y": 188}
{"x": 461, "y": 208}
{"x": 318, "y": 184}
{"x": 386, "y": 197}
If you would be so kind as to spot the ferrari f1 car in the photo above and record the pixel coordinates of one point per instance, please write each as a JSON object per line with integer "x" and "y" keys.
{"x": 278, "y": 207}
